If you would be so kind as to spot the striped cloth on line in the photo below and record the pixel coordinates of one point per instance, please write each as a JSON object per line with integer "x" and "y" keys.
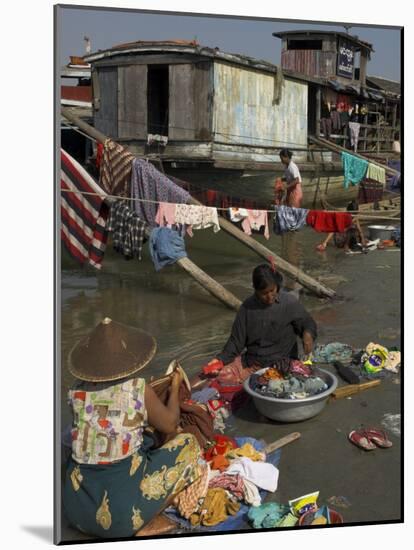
{"x": 83, "y": 217}
{"x": 116, "y": 166}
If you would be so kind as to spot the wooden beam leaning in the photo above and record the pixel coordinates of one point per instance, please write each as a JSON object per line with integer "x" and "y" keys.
{"x": 207, "y": 282}
{"x": 338, "y": 149}
{"x": 285, "y": 267}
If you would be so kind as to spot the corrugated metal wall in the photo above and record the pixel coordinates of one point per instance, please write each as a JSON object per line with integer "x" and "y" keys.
{"x": 244, "y": 114}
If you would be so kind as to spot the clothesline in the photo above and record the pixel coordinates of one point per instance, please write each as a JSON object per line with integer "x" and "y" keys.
{"x": 105, "y": 195}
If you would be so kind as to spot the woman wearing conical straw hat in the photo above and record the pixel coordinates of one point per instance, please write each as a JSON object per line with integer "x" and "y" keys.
{"x": 116, "y": 482}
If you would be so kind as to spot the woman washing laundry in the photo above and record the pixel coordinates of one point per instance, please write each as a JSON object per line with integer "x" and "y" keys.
{"x": 351, "y": 239}
{"x": 265, "y": 330}
{"x": 116, "y": 481}
{"x": 292, "y": 177}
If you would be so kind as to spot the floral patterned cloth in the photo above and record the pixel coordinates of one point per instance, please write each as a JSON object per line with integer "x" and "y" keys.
{"x": 118, "y": 499}
{"x": 197, "y": 217}
{"x": 108, "y": 424}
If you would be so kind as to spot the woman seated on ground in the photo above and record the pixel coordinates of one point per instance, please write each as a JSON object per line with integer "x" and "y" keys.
{"x": 352, "y": 239}
{"x": 265, "y": 329}
{"x": 116, "y": 482}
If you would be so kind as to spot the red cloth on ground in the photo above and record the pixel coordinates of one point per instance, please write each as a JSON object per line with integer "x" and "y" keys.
{"x": 329, "y": 222}
{"x": 223, "y": 443}
{"x": 219, "y": 462}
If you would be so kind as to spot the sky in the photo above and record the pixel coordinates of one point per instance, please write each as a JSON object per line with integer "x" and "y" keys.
{"x": 250, "y": 37}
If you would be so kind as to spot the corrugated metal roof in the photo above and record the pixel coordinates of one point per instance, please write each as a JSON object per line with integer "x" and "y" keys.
{"x": 354, "y": 39}
{"x": 181, "y": 47}
{"x": 390, "y": 86}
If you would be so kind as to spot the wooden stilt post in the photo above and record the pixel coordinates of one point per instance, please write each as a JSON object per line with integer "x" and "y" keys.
{"x": 284, "y": 266}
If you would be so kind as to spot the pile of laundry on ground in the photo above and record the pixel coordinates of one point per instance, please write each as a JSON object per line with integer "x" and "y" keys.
{"x": 288, "y": 379}
{"x": 354, "y": 365}
{"x": 236, "y": 473}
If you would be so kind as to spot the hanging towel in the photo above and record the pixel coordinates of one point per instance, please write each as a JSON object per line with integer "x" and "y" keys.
{"x": 128, "y": 231}
{"x": 289, "y": 219}
{"x": 149, "y": 184}
{"x": 355, "y": 169}
{"x": 329, "y": 222}
{"x": 115, "y": 174}
{"x": 197, "y": 217}
{"x": 254, "y": 221}
{"x": 84, "y": 217}
{"x": 376, "y": 173}
{"x": 166, "y": 247}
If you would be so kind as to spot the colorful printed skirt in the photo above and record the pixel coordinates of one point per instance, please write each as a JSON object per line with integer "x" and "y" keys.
{"x": 116, "y": 500}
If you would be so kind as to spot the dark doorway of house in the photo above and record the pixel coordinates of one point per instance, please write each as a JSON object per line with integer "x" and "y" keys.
{"x": 312, "y": 99}
{"x": 158, "y": 93}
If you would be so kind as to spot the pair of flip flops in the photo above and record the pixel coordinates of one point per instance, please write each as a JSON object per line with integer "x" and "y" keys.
{"x": 369, "y": 439}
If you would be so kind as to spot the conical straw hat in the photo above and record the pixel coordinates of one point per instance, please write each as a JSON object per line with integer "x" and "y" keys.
{"x": 110, "y": 352}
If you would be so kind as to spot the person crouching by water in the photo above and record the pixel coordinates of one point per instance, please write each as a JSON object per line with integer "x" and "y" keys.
{"x": 116, "y": 482}
{"x": 292, "y": 177}
{"x": 265, "y": 329}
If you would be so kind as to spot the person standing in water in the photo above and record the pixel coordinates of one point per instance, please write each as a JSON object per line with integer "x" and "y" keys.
{"x": 292, "y": 177}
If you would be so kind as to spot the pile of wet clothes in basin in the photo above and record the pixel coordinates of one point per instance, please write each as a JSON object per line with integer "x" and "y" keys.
{"x": 288, "y": 379}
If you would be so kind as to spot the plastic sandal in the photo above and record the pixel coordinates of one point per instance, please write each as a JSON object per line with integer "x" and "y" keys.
{"x": 361, "y": 441}
{"x": 379, "y": 437}
{"x": 321, "y": 247}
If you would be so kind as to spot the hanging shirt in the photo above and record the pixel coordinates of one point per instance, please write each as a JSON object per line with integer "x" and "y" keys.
{"x": 108, "y": 423}
{"x": 128, "y": 231}
{"x": 197, "y": 217}
{"x": 115, "y": 174}
{"x": 254, "y": 221}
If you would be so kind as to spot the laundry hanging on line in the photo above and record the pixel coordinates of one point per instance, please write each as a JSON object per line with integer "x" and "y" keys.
{"x": 288, "y": 218}
{"x": 376, "y": 173}
{"x": 166, "y": 247}
{"x": 83, "y": 217}
{"x": 115, "y": 170}
{"x": 186, "y": 217}
{"x": 329, "y": 222}
{"x": 128, "y": 231}
{"x": 355, "y": 169}
{"x": 149, "y": 184}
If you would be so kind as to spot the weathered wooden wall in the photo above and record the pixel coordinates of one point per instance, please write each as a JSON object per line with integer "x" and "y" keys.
{"x": 106, "y": 117}
{"x": 190, "y": 113}
{"x": 132, "y": 101}
{"x": 315, "y": 63}
{"x": 244, "y": 113}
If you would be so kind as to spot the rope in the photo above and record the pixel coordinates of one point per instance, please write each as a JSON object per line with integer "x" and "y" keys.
{"x": 103, "y": 196}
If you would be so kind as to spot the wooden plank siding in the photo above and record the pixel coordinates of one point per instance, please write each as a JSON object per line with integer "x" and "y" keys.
{"x": 310, "y": 62}
{"x": 190, "y": 102}
{"x": 132, "y": 102}
{"x": 106, "y": 117}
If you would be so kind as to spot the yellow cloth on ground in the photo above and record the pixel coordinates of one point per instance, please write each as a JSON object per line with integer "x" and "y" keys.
{"x": 376, "y": 173}
{"x": 217, "y": 506}
{"x": 248, "y": 451}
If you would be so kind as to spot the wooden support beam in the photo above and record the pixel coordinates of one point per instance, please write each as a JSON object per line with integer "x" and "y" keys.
{"x": 284, "y": 266}
{"x": 337, "y": 149}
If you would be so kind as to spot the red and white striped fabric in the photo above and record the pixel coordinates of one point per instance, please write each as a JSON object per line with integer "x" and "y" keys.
{"x": 83, "y": 217}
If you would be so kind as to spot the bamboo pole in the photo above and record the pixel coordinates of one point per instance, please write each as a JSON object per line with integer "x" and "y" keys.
{"x": 339, "y": 149}
{"x": 284, "y": 266}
